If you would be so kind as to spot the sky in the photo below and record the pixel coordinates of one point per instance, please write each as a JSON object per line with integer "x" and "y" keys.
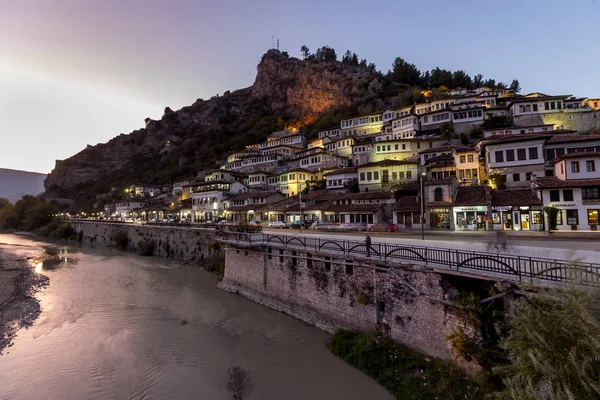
{"x": 79, "y": 72}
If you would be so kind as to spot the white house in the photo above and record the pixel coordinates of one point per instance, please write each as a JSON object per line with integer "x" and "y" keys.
{"x": 574, "y": 191}
{"x": 341, "y": 147}
{"x": 340, "y": 178}
{"x": 208, "y": 199}
{"x": 519, "y": 157}
{"x": 536, "y": 103}
{"x": 124, "y": 208}
{"x": 362, "y": 125}
{"x": 386, "y": 174}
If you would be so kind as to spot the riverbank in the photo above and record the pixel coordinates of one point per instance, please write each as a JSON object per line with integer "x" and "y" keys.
{"x": 20, "y": 280}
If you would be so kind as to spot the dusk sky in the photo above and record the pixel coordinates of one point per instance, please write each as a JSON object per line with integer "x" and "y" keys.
{"x": 79, "y": 72}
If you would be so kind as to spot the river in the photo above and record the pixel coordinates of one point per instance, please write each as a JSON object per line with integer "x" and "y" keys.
{"x": 118, "y": 326}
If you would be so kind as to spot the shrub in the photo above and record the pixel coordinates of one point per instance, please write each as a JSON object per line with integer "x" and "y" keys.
{"x": 121, "y": 239}
{"x": 552, "y": 213}
{"x": 146, "y": 247}
{"x": 406, "y": 373}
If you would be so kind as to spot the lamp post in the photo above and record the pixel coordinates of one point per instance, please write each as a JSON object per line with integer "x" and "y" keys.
{"x": 422, "y": 178}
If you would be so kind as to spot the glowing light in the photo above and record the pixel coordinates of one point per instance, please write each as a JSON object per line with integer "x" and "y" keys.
{"x": 38, "y": 267}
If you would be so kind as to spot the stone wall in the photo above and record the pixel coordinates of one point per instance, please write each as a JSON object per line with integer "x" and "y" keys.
{"x": 170, "y": 241}
{"x": 333, "y": 293}
{"x": 581, "y": 121}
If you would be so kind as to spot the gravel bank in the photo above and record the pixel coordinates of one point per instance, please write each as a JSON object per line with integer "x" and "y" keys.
{"x": 20, "y": 280}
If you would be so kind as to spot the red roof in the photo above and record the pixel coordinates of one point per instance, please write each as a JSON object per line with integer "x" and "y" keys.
{"x": 457, "y": 149}
{"x": 472, "y": 195}
{"x": 554, "y": 182}
{"x": 515, "y": 197}
{"x": 408, "y": 203}
{"x": 252, "y": 195}
{"x": 577, "y": 155}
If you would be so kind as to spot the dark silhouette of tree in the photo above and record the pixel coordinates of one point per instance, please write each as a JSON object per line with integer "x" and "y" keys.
{"x": 326, "y": 53}
{"x": 490, "y": 83}
{"x": 477, "y": 81}
{"x": 514, "y": 86}
{"x": 425, "y": 79}
{"x": 363, "y": 63}
{"x": 305, "y": 52}
{"x": 404, "y": 72}
{"x": 460, "y": 79}
{"x": 501, "y": 85}
{"x": 350, "y": 58}
{"x": 440, "y": 77}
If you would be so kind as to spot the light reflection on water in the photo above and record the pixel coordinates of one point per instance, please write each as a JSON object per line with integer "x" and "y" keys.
{"x": 111, "y": 328}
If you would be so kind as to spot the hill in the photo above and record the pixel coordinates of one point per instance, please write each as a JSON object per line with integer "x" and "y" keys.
{"x": 310, "y": 94}
{"x": 15, "y": 184}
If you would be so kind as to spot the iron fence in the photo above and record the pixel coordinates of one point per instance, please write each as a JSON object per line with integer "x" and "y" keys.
{"x": 517, "y": 267}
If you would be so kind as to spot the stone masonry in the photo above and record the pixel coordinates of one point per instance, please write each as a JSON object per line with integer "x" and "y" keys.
{"x": 333, "y": 293}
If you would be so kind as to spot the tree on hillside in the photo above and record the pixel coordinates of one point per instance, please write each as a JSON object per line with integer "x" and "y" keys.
{"x": 404, "y": 72}
{"x": 350, "y": 58}
{"x": 490, "y": 83}
{"x": 440, "y": 77}
{"x": 501, "y": 85}
{"x": 477, "y": 81}
{"x": 514, "y": 86}
{"x": 460, "y": 79}
{"x": 305, "y": 52}
{"x": 326, "y": 53}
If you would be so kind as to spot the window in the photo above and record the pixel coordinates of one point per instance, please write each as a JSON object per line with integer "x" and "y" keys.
{"x": 408, "y": 174}
{"x": 516, "y": 177}
{"x": 362, "y": 176}
{"x": 425, "y": 119}
{"x": 369, "y": 176}
{"x": 470, "y": 158}
{"x": 395, "y": 147}
{"x": 474, "y": 172}
{"x": 416, "y": 217}
{"x": 499, "y": 156}
{"x": 378, "y": 148}
{"x": 593, "y": 217}
{"x": 438, "y": 194}
{"x": 521, "y": 154}
{"x": 535, "y": 107}
{"x": 546, "y": 105}
{"x": 394, "y": 176}
{"x": 533, "y": 153}
{"x": 376, "y": 175}
{"x": 590, "y": 193}
{"x": 559, "y": 217}
{"x": 461, "y": 173}
{"x": 568, "y": 195}
{"x": 401, "y": 175}
{"x": 590, "y": 166}
{"x": 463, "y": 159}
{"x": 510, "y": 155}
{"x": 528, "y": 176}
{"x": 572, "y": 217}
{"x": 575, "y": 167}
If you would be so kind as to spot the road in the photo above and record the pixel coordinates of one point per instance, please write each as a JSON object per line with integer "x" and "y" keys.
{"x": 438, "y": 239}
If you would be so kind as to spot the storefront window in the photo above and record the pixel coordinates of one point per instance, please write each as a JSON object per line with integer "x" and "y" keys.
{"x": 572, "y": 217}
{"x": 536, "y": 217}
{"x": 439, "y": 218}
{"x": 400, "y": 217}
{"x": 507, "y": 220}
{"x": 496, "y": 217}
{"x": 559, "y": 217}
{"x": 593, "y": 217}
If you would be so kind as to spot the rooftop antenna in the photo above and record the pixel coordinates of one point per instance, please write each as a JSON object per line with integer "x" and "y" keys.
{"x": 277, "y": 44}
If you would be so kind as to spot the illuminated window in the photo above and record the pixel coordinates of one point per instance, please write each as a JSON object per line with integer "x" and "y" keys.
{"x": 593, "y": 217}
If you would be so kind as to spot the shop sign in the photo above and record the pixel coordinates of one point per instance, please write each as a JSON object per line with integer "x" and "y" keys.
{"x": 559, "y": 205}
{"x": 524, "y": 208}
{"x": 477, "y": 208}
{"x": 502, "y": 208}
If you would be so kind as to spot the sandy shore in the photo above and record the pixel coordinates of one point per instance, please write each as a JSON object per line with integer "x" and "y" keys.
{"x": 20, "y": 280}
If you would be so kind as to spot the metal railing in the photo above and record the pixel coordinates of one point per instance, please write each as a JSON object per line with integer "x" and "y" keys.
{"x": 521, "y": 268}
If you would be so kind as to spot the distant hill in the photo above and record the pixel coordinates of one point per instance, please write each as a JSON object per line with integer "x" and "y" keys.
{"x": 15, "y": 184}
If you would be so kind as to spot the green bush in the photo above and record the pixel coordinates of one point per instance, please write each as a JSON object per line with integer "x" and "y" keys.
{"x": 121, "y": 240}
{"x": 404, "y": 372}
{"x": 58, "y": 229}
{"x": 552, "y": 213}
{"x": 146, "y": 247}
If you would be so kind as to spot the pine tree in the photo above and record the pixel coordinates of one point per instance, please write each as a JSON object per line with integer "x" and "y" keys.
{"x": 515, "y": 87}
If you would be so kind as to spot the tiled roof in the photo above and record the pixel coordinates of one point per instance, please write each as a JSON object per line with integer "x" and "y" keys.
{"x": 445, "y": 160}
{"x": 348, "y": 170}
{"x": 458, "y": 149}
{"x": 252, "y": 195}
{"x": 367, "y": 195}
{"x": 408, "y": 203}
{"x": 577, "y": 155}
{"x": 516, "y": 197}
{"x": 522, "y": 137}
{"x": 554, "y": 182}
{"x": 472, "y": 195}
{"x": 387, "y": 163}
{"x": 571, "y": 138}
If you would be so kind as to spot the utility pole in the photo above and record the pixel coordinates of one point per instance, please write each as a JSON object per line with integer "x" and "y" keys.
{"x": 300, "y": 195}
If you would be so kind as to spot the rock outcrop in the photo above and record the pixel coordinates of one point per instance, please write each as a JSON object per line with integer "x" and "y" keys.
{"x": 284, "y": 88}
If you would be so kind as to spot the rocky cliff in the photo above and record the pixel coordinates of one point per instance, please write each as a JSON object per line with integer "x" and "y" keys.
{"x": 286, "y": 92}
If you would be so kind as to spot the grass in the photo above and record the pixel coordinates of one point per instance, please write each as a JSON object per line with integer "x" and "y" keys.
{"x": 403, "y": 371}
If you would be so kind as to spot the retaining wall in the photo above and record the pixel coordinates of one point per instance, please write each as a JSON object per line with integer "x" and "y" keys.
{"x": 170, "y": 241}
{"x": 347, "y": 293}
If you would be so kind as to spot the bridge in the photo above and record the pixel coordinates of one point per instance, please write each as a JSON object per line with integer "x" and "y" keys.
{"x": 483, "y": 264}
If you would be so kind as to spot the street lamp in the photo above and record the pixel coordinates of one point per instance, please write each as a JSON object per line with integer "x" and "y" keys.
{"x": 422, "y": 178}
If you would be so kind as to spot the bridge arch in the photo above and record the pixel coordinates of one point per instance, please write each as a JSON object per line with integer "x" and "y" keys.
{"x": 292, "y": 239}
{"x": 399, "y": 249}
{"x": 321, "y": 245}
{"x": 510, "y": 269}
{"x": 273, "y": 237}
{"x": 365, "y": 246}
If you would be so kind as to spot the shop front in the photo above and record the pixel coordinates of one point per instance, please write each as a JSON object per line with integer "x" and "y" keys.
{"x": 439, "y": 218}
{"x": 517, "y": 218}
{"x": 470, "y": 218}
